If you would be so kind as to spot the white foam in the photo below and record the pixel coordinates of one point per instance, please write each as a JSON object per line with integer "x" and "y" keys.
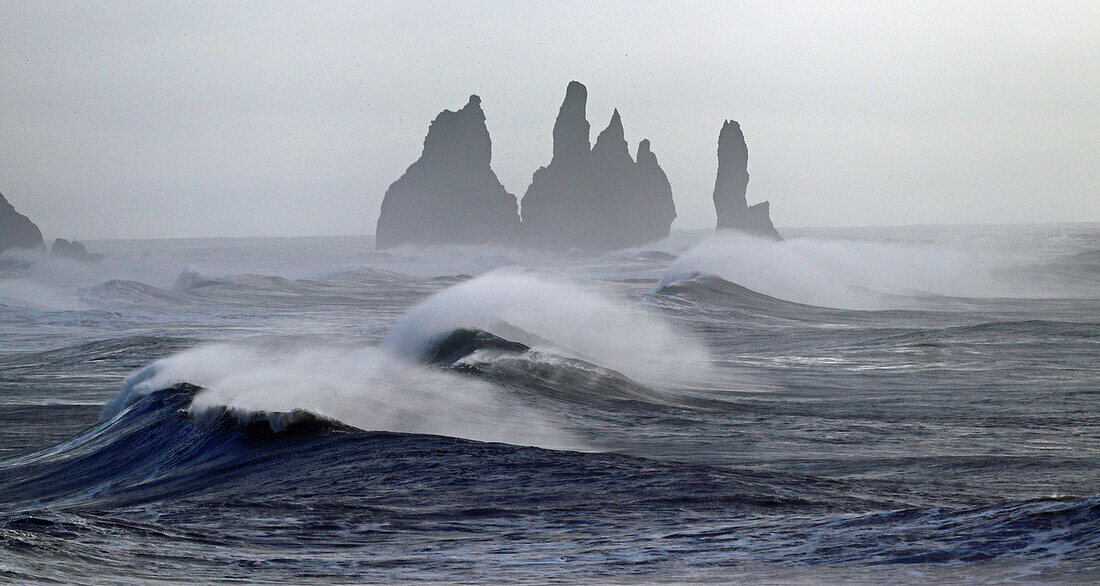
{"x": 852, "y": 274}
{"x": 365, "y": 388}
{"x": 573, "y": 320}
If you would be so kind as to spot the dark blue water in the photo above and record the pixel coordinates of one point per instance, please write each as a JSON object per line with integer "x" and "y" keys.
{"x": 847, "y": 406}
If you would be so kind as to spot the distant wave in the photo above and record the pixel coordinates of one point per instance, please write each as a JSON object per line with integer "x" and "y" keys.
{"x": 91, "y": 352}
{"x": 129, "y": 293}
{"x": 1088, "y": 258}
{"x": 862, "y": 275}
{"x": 1019, "y": 333}
{"x": 191, "y": 279}
{"x": 704, "y": 287}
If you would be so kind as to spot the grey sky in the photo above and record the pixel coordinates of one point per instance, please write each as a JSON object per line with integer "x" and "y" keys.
{"x": 187, "y": 119}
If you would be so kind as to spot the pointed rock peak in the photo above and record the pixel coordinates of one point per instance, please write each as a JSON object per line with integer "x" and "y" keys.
{"x": 731, "y": 144}
{"x": 571, "y": 127}
{"x": 596, "y": 197}
{"x": 612, "y": 139}
{"x": 616, "y": 124}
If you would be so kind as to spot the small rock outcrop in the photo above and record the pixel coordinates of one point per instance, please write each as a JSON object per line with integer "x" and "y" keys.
{"x": 730, "y": 186}
{"x": 16, "y": 230}
{"x": 596, "y": 197}
{"x": 74, "y": 250}
{"x": 450, "y": 194}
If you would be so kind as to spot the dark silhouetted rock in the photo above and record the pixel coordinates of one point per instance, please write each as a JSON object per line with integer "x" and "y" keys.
{"x": 556, "y": 209}
{"x": 450, "y": 194}
{"x": 598, "y": 197}
{"x": 16, "y": 230}
{"x": 731, "y": 183}
{"x": 74, "y": 250}
{"x": 656, "y": 210}
{"x": 571, "y": 126}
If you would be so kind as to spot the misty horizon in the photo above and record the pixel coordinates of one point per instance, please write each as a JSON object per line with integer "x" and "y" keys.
{"x": 138, "y": 121}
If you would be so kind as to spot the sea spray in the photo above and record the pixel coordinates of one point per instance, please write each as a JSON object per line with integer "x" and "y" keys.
{"x": 366, "y": 388}
{"x": 853, "y": 274}
{"x": 559, "y": 316}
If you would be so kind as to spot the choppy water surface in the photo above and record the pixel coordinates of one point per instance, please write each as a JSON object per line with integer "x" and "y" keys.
{"x": 849, "y": 405}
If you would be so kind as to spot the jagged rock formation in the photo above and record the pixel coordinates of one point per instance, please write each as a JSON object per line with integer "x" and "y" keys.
{"x": 598, "y": 197}
{"x": 16, "y": 230}
{"x": 732, "y": 181}
{"x": 450, "y": 194}
{"x": 74, "y": 250}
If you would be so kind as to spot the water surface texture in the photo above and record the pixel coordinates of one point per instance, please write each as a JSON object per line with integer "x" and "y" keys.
{"x": 849, "y": 405}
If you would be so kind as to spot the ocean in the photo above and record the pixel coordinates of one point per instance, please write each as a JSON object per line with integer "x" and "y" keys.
{"x": 907, "y": 404}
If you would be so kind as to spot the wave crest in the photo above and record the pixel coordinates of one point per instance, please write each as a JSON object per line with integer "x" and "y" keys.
{"x": 365, "y": 388}
{"x": 557, "y": 316}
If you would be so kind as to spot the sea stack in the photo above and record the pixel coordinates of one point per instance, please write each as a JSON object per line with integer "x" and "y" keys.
{"x": 450, "y": 194}
{"x": 74, "y": 250}
{"x": 16, "y": 230}
{"x": 730, "y": 186}
{"x": 598, "y": 197}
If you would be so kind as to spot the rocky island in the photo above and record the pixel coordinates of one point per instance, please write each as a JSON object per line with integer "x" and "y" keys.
{"x": 730, "y": 186}
{"x": 589, "y": 196}
{"x": 73, "y": 250}
{"x": 450, "y": 194}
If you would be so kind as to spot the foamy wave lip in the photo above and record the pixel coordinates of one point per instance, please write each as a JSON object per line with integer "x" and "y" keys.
{"x": 558, "y": 316}
{"x": 365, "y": 388}
{"x": 138, "y": 384}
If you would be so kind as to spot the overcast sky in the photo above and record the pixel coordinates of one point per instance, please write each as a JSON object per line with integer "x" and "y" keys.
{"x": 157, "y": 119}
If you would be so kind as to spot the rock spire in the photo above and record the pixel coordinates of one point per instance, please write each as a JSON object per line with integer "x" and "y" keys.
{"x": 596, "y": 197}
{"x": 730, "y": 186}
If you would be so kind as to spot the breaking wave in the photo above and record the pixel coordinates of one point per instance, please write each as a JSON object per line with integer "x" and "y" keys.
{"x": 558, "y": 316}
{"x": 853, "y": 274}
